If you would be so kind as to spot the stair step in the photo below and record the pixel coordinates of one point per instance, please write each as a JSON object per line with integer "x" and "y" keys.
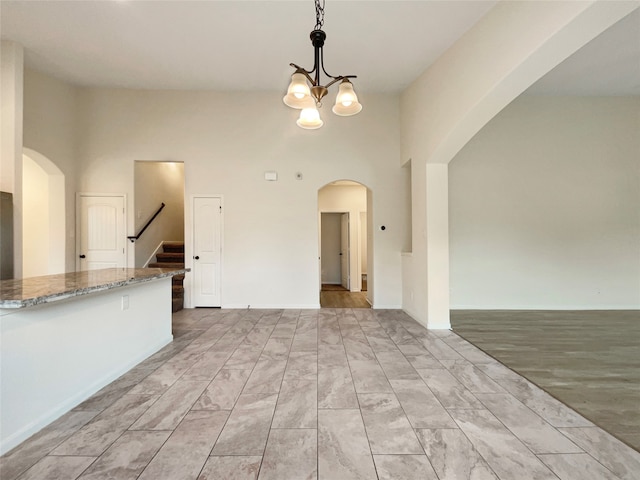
{"x": 177, "y": 304}
{"x": 171, "y": 247}
{"x": 174, "y": 265}
{"x": 172, "y": 257}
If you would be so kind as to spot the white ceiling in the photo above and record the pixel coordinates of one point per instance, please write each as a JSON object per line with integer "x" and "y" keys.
{"x": 247, "y": 45}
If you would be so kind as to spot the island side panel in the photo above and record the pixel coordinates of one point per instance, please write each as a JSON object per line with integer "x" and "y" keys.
{"x": 56, "y": 355}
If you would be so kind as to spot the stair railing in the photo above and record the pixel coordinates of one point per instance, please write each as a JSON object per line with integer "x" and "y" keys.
{"x": 133, "y": 239}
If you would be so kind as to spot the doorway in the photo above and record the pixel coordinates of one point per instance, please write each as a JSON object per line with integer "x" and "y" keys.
{"x": 43, "y": 216}
{"x": 343, "y": 245}
{"x": 157, "y": 185}
{"x": 334, "y": 256}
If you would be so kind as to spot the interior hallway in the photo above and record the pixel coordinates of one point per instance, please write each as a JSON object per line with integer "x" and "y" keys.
{"x": 589, "y": 360}
{"x": 330, "y": 394}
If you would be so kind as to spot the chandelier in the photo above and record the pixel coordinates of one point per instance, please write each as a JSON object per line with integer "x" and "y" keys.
{"x": 305, "y": 91}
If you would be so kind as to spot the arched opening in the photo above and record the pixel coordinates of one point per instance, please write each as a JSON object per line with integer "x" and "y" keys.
{"x": 344, "y": 245}
{"x": 43, "y": 216}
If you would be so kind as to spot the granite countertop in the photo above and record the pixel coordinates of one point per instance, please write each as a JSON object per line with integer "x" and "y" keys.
{"x": 50, "y": 288}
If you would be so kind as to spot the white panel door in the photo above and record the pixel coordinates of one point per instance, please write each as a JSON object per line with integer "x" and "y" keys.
{"x": 207, "y": 251}
{"x": 344, "y": 251}
{"x": 101, "y": 230}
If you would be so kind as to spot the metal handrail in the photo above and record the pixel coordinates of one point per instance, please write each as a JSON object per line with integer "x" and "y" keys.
{"x": 133, "y": 239}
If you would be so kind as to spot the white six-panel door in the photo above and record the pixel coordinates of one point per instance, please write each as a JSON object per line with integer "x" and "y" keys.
{"x": 207, "y": 251}
{"x": 101, "y": 232}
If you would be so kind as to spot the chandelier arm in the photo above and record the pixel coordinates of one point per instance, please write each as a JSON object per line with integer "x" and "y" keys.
{"x": 301, "y": 70}
{"x": 334, "y": 78}
{"x": 337, "y": 79}
{"x": 322, "y": 65}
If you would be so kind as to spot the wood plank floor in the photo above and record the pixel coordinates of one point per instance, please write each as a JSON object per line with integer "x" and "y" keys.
{"x": 589, "y": 360}
{"x": 336, "y": 296}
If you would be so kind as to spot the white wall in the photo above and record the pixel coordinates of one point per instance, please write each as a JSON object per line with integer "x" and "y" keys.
{"x": 227, "y": 142}
{"x": 545, "y": 207}
{"x": 50, "y": 129}
{"x": 157, "y": 183}
{"x": 35, "y": 222}
{"x": 11, "y": 98}
{"x": 510, "y": 48}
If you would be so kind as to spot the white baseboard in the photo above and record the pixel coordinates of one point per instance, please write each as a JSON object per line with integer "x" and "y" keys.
{"x": 58, "y": 410}
{"x": 305, "y": 306}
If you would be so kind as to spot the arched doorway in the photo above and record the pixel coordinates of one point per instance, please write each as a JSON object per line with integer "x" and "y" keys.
{"x": 43, "y": 216}
{"x": 344, "y": 245}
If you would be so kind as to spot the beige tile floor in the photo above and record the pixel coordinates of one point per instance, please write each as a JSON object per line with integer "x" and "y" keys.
{"x": 334, "y": 394}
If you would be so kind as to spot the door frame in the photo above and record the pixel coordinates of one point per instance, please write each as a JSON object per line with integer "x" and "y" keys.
{"x": 79, "y": 195}
{"x": 189, "y": 240}
{"x": 346, "y": 263}
{"x": 353, "y": 287}
{"x": 320, "y": 259}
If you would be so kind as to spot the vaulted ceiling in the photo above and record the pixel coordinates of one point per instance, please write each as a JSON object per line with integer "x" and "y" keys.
{"x": 248, "y": 45}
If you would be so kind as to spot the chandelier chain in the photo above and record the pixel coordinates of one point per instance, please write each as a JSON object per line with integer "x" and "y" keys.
{"x": 319, "y": 14}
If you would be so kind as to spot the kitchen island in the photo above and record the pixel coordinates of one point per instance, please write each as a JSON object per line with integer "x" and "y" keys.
{"x": 64, "y": 337}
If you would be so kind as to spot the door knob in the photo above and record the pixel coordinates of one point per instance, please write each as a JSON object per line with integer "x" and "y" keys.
{"x": 83, "y": 256}
{"x": 197, "y": 257}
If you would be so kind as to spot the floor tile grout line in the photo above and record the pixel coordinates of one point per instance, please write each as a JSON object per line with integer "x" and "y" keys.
{"x": 401, "y": 407}
{"x": 358, "y": 318}
{"x": 364, "y": 426}
{"x": 318, "y": 397}
{"x": 264, "y": 450}
{"x": 173, "y": 431}
{"x": 240, "y": 394}
{"x": 447, "y": 410}
{"x": 509, "y": 430}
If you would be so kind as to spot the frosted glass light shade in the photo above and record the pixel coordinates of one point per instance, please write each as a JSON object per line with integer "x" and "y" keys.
{"x": 347, "y": 100}
{"x": 298, "y": 93}
{"x": 310, "y": 119}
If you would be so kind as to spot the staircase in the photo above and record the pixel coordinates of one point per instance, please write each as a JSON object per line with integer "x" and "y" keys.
{"x": 172, "y": 256}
